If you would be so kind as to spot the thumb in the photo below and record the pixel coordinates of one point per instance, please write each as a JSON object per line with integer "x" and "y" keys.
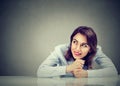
{"x": 82, "y": 61}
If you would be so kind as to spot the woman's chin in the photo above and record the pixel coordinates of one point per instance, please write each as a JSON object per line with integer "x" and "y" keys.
{"x": 77, "y": 57}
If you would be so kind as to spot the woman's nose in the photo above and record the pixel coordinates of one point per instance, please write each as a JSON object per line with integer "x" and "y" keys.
{"x": 78, "y": 48}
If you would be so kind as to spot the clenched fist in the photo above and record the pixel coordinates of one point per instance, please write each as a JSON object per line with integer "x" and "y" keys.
{"x": 77, "y": 64}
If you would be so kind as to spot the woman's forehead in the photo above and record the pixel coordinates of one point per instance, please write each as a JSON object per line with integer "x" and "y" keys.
{"x": 80, "y": 38}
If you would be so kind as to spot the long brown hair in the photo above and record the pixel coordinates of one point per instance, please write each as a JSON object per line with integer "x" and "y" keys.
{"x": 92, "y": 42}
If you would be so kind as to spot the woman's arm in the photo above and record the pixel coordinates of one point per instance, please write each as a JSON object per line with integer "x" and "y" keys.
{"x": 54, "y": 65}
{"x": 50, "y": 67}
{"x": 107, "y": 68}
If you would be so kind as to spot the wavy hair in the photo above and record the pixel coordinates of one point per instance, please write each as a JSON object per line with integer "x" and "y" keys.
{"x": 92, "y": 42}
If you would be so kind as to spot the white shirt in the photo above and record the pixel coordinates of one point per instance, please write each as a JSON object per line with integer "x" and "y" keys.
{"x": 55, "y": 64}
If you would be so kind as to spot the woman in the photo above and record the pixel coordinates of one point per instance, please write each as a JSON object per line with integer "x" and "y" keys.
{"x": 79, "y": 58}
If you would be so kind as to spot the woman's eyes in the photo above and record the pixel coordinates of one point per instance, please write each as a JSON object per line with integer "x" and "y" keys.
{"x": 81, "y": 45}
{"x": 84, "y": 45}
{"x": 75, "y": 42}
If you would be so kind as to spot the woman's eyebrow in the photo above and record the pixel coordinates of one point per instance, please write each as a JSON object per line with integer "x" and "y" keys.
{"x": 84, "y": 43}
{"x": 75, "y": 39}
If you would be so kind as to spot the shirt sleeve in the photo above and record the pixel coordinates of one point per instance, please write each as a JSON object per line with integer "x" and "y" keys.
{"x": 51, "y": 67}
{"x": 107, "y": 68}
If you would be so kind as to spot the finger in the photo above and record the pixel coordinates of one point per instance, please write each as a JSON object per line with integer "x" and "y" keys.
{"x": 80, "y": 67}
{"x": 80, "y": 64}
{"x": 80, "y": 61}
{"x": 77, "y": 70}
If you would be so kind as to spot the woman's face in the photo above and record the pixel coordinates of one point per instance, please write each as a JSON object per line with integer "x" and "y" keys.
{"x": 79, "y": 46}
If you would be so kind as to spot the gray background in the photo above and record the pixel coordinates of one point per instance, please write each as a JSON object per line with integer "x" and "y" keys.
{"x": 30, "y": 29}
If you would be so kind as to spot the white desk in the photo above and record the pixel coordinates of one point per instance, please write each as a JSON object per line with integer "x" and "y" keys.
{"x": 34, "y": 81}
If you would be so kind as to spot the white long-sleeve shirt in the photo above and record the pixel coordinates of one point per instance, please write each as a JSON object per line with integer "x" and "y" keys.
{"x": 55, "y": 64}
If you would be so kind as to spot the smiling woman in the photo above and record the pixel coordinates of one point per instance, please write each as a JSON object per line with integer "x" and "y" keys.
{"x": 77, "y": 59}
{"x": 79, "y": 45}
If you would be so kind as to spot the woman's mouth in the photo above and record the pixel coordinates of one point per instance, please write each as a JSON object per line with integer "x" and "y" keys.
{"x": 77, "y": 53}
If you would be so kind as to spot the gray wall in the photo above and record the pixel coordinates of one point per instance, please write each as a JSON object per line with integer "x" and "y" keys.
{"x": 30, "y": 29}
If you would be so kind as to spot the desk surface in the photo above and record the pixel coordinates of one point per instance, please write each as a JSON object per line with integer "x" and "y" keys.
{"x": 56, "y": 81}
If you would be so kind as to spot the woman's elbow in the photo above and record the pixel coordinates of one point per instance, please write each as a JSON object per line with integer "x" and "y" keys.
{"x": 42, "y": 73}
{"x": 115, "y": 72}
{"x": 39, "y": 72}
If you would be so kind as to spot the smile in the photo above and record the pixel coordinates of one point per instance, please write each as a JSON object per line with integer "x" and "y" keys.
{"x": 77, "y": 53}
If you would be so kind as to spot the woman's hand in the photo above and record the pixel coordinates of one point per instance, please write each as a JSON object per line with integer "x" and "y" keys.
{"x": 80, "y": 73}
{"x": 77, "y": 64}
{"x": 77, "y": 69}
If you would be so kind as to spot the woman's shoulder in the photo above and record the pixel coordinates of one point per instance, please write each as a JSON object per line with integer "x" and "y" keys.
{"x": 100, "y": 54}
{"x": 99, "y": 50}
{"x": 62, "y": 47}
{"x": 99, "y": 47}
